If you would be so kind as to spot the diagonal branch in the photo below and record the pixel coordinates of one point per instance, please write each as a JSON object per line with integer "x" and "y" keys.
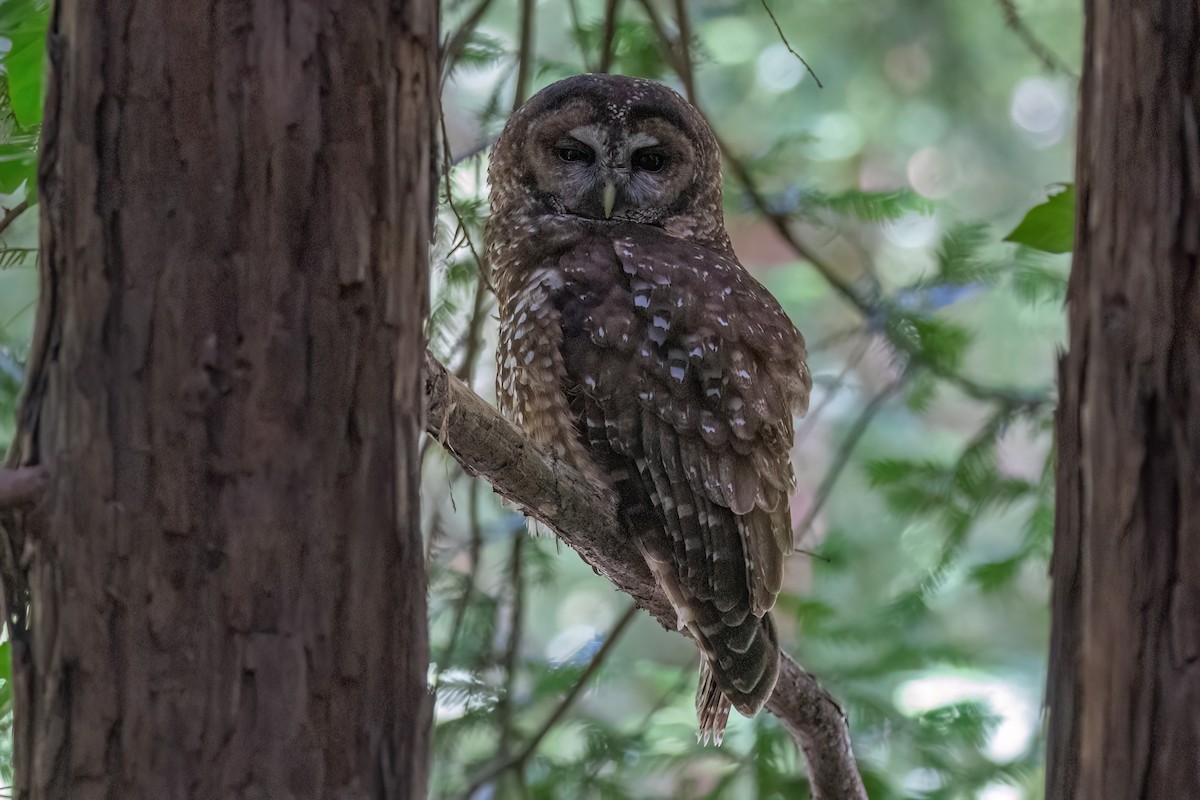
{"x": 1051, "y": 62}
{"x": 583, "y": 515}
{"x": 518, "y": 760}
{"x": 872, "y": 308}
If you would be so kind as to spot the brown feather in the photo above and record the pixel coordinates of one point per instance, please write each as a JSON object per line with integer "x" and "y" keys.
{"x": 640, "y": 351}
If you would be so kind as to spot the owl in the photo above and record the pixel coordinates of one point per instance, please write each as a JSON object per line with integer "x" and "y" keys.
{"x": 634, "y": 346}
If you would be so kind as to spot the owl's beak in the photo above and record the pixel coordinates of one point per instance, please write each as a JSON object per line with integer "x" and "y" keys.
{"x": 610, "y": 198}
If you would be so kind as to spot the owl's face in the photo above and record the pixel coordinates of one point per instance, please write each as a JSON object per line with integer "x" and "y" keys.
{"x": 605, "y": 147}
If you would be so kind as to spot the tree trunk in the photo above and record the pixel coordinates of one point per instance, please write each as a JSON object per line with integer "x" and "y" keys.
{"x": 227, "y": 593}
{"x": 1124, "y": 684}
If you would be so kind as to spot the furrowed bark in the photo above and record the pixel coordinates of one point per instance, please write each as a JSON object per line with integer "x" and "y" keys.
{"x": 225, "y": 571}
{"x": 1124, "y": 681}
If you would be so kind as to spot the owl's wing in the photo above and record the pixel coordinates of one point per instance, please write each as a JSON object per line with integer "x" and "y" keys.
{"x": 691, "y": 370}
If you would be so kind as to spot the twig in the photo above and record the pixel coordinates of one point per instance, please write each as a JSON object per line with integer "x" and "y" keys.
{"x": 584, "y": 516}
{"x": 473, "y": 338}
{"x": 835, "y": 337}
{"x": 484, "y": 276}
{"x": 688, "y": 73}
{"x": 518, "y": 760}
{"x": 474, "y": 550}
{"x": 1049, "y": 60}
{"x": 474, "y": 150}
{"x": 831, "y": 392}
{"x": 11, "y": 214}
{"x": 608, "y": 42}
{"x": 870, "y": 309}
{"x": 458, "y": 40}
{"x": 512, "y": 650}
{"x": 21, "y": 486}
{"x": 686, "y": 674}
{"x": 577, "y": 34}
{"x": 17, "y": 315}
{"x": 524, "y": 55}
{"x": 788, "y": 44}
{"x": 842, "y": 457}
{"x": 669, "y": 51}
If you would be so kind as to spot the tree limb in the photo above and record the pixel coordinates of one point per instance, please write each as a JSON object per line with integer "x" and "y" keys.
{"x": 584, "y": 517}
{"x": 11, "y": 214}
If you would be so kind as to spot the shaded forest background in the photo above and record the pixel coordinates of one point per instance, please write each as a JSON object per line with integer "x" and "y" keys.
{"x": 876, "y": 209}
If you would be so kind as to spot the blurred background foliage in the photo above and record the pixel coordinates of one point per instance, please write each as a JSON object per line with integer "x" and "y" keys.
{"x": 876, "y": 207}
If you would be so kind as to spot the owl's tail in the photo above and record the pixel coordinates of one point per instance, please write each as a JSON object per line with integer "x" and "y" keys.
{"x": 739, "y": 651}
{"x": 739, "y": 667}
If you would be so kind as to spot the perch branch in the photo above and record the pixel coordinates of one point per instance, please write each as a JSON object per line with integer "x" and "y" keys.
{"x": 583, "y": 516}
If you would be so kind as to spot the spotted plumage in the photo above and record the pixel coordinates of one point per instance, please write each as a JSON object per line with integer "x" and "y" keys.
{"x": 635, "y": 347}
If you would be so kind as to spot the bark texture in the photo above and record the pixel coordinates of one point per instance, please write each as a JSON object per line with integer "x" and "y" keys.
{"x": 1124, "y": 684}
{"x": 585, "y": 517}
{"x": 226, "y": 589}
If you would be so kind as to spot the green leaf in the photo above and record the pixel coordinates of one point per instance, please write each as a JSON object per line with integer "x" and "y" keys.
{"x": 921, "y": 392}
{"x": 1050, "y": 226}
{"x": 958, "y": 255}
{"x": 18, "y": 165}
{"x": 1035, "y": 284}
{"x": 994, "y": 575}
{"x": 23, "y": 23}
{"x": 869, "y": 206}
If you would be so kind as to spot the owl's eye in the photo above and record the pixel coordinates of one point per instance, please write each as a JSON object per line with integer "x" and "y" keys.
{"x": 573, "y": 155}
{"x": 649, "y": 160}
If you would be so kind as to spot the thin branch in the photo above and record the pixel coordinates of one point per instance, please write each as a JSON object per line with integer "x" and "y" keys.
{"x": 475, "y": 551}
{"x": 831, "y": 392}
{"x": 476, "y": 149}
{"x": 21, "y": 487}
{"x": 608, "y": 42}
{"x": 4, "y": 326}
{"x": 517, "y": 760}
{"x": 688, "y": 73}
{"x": 788, "y": 44}
{"x": 447, "y": 163}
{"x": 473, "y": 338}
{"x": 687, "y": 674}
{"x": 842, "y": 457}
{"x": 577, "y": 33}
{"x": 524, "y": 55}
{"x": 11, "y": 214}
{"x": 870, "y": 309}
{"x": 835, "y": 337}
{"x": 669, "y": 51}
{"x": 512, "y": 650}
{"x": 458, "y": 40}
{"x": 1044, "y": 54}
{"x": 584, "y": 516}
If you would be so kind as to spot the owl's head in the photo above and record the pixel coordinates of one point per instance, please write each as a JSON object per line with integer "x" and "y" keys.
{"x": 607, "y": 147}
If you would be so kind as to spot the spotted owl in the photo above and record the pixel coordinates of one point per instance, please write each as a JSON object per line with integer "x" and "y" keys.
{"x": 634, "y": 346}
